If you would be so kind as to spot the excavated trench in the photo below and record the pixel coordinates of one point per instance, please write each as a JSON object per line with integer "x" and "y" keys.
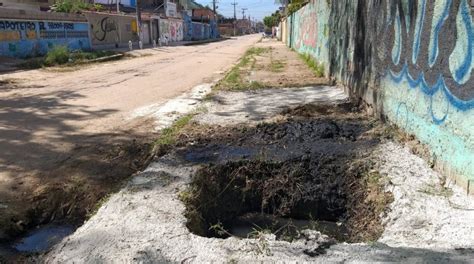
{"x": 312, "y": 170}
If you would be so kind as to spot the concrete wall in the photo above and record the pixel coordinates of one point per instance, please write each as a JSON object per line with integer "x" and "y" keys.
{"x": 109, "y": 30}
{"x": 171, "y": 29}
{"x": 309, "y": 33}
{"x": 284, "y": 30}
{"x": 411, "y": 60}
{"x": 199, "y": 31}
{"x": 26, "y": 33}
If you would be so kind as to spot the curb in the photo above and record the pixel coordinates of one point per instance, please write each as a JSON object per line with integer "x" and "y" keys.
{"x": 198, "y": 42}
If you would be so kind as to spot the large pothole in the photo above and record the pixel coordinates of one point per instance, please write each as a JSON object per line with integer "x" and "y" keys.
{"x": 341, "y": 196}
{"x": 312, "y": 171}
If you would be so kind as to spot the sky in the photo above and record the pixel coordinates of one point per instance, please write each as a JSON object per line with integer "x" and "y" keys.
{"x": 257, "y": 9}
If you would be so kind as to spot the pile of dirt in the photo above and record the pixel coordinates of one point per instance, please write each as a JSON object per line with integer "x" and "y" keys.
{"x": 314, "y": 164}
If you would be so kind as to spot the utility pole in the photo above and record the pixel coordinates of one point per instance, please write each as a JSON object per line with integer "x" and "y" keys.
{"x": 214, "y": 2}
{"x": 214, "y": 9}
{"x": 235, "y": 15}
{"x": 243, "y": 12}
{"x": 139, "y": 20}
{"x": 118, "y": 6}
{"x": 243, "y": 17}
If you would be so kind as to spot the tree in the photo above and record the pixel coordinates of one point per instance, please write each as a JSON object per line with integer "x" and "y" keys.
{"x": 74, "y": 6}
{"x": 273, "y": 20}
{"x": 295, "y": 5}
{"x": 292, "y": 5}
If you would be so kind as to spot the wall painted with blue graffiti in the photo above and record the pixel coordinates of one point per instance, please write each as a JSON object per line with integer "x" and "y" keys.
{"x": 411, "y": 60}
{"x": 428, "y": 87}
{"x": 199, "y": 31}
{"x": 23, "y": 38}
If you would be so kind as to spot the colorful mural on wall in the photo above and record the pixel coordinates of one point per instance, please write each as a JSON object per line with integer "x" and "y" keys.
{"x": 199, "y": 31}
{"x": 411, "y": 60}
{"x": 428, "y": 89}
{"x": 23, "y": 38}
{"x": 309, "y": 34}
{"x": 171, "y": 29}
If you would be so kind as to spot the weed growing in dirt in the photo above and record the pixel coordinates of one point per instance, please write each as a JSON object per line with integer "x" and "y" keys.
{"x": 168, "y": 135}
{"x": 234, "y": 80}
{"x": 277, "y": 66}
{"x": 317, "y": 67}
{"x": 60, "y": 55}
{"x": 261, "y": 245}
{"x": 219, "y": 229}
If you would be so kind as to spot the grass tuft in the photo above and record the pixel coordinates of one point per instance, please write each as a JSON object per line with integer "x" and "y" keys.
{"x": 277, "y": 66}
{"x": 234, "y": 79}
{"x": 318, "y": 68}
{"x": 60, "y": 55}
{"x": 168, "y": 135}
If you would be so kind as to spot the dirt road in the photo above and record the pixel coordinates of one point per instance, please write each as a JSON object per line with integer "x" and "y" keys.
{"x": 67, "y": 138}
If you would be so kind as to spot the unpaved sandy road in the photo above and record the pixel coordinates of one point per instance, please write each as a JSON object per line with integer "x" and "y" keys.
{"x": 70, "y": 133}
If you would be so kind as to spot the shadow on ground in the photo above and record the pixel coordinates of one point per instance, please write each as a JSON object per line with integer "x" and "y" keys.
{"x": 50, "y": 169}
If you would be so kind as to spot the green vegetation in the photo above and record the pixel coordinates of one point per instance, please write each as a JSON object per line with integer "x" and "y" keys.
{"x": 277, "y": 66}
{"x": 168, "y": 135}
{"x": 273, "y": 20}
{"x": 60, "y": 55}
{"x": 318, "y": 68}
{"x": 74, "y": 6}
{"x": 295, "y": 5}
{"x": 57, "y": 56}
{"x": 219, "y": 229}
{"x": 234, "y": 79}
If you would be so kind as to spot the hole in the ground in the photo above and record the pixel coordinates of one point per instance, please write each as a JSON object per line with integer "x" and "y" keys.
{"x": 313, "y": 170}
{"x": 326, "y": 193}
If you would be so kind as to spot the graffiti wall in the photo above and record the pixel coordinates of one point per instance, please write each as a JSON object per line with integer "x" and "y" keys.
{"x": 411, "y": 60}
{"x": 309, "y": 34}
{"x": 111, "y": 30}
{"x": 24, "y": 38}
{"x": 172, "y": 29}
{"x": 199, "y": 31}
{"x": 428, "y": 87}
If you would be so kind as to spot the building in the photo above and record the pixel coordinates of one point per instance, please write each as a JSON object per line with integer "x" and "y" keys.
{"x": 33, "y": 5}
{"x": 243, "y": 26}
{"x": 203, "y": 14}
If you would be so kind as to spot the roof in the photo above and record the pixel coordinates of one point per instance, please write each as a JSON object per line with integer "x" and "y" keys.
{"x": 192, "y": 4}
